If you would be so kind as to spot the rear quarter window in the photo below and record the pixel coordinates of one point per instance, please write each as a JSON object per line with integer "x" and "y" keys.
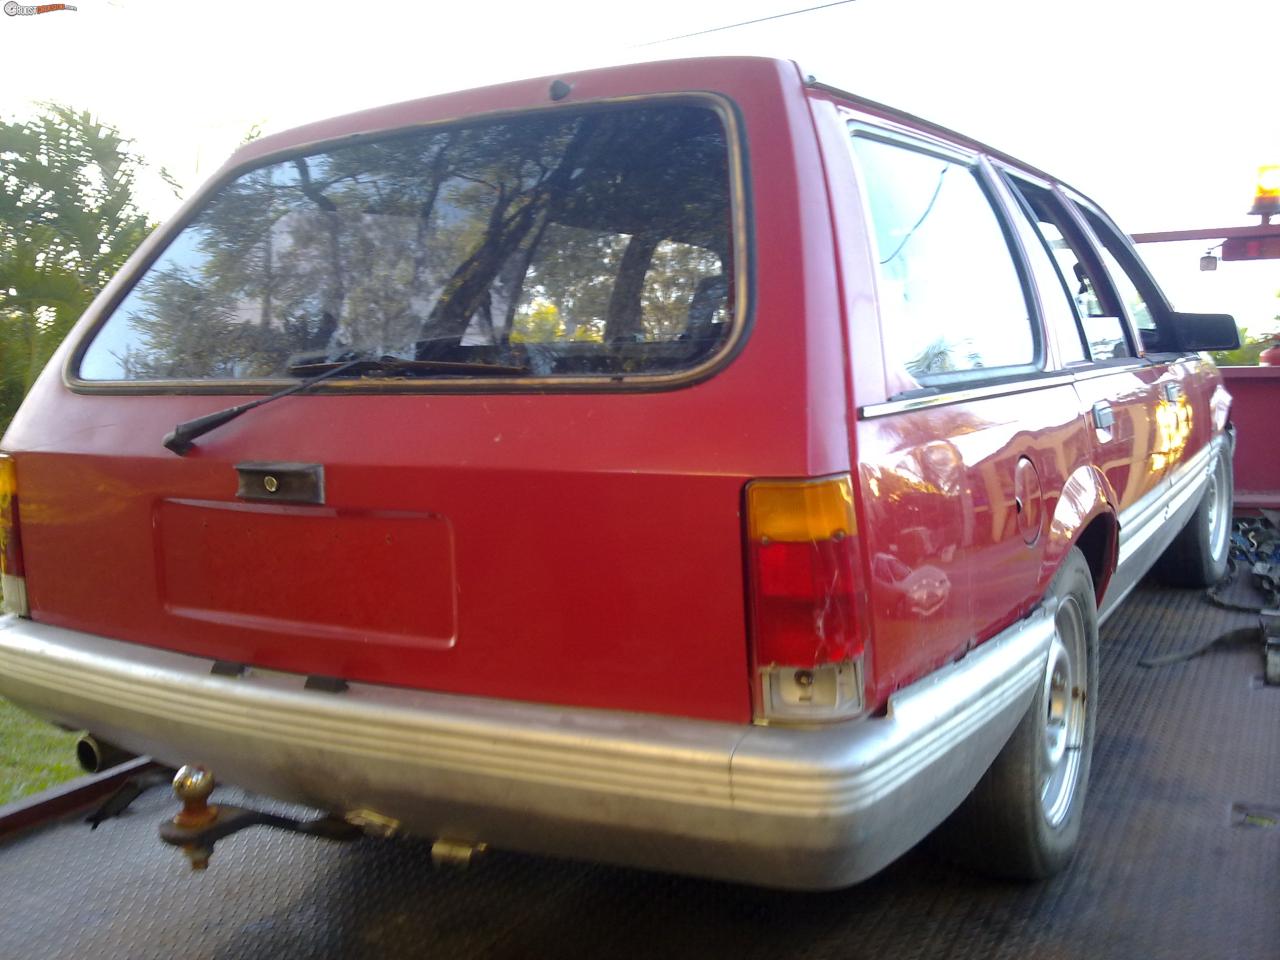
{"x": 952, "y": 305}
{"x": 561, "y": 244}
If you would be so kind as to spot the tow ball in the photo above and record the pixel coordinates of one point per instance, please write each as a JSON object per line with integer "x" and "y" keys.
{"x": 200, "y": 824}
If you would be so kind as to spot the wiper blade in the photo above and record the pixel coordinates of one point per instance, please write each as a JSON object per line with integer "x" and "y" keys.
{"x": 398, "y": 367}
{"x": 180, "y": 438}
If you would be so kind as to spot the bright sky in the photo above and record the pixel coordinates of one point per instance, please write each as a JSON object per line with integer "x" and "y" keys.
{"x": 1161, "y": 110}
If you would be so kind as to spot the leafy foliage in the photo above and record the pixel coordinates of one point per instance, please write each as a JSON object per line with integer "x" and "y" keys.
{"x": 940, "y": 356}
{"x": 68, "y": 221}
{"x": 1246, "y": 355}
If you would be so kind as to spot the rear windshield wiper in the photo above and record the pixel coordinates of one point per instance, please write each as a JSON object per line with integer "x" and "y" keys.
{"x": 180, "y": 438}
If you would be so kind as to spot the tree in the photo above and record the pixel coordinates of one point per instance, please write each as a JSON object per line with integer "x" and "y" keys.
{"x": 68, "y": 221}
{"x": 540, "y": 324}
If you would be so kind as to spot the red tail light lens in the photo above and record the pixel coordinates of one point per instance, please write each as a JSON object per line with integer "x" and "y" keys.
{"x": 804, "y": 609}
{"x": 12, "y": 573}
{"x": 806, "y": 598}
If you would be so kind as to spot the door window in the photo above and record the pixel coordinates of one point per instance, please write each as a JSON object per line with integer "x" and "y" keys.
{"x": 1056, "y": 303}
{"x": 1101, "y": 322}
{"x": 1128, "y": 278}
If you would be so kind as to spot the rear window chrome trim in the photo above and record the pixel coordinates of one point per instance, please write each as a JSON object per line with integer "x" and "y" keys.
{"x": 1056, "y": 378}
{"x": 743, "y": 281}
{"x": 888, "y": 407}
{"x": 1102, "y": 368}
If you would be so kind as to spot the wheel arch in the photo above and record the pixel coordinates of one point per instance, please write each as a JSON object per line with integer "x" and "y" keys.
{"x": 1084, "y": 517}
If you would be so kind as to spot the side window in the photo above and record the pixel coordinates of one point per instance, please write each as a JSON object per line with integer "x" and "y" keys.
{"x": 1114, "y": 255}
{"x": 1056, "y": 302}
{"x": 952, "y": 305}
{"x": 1100, "y": 320}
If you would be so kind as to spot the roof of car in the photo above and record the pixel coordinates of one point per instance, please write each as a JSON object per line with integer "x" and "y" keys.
{"x": 534, "y": 92}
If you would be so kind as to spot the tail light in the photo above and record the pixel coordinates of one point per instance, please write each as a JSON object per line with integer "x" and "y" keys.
{"x": 12, "y": 575}
{"x": 806, "y": 599}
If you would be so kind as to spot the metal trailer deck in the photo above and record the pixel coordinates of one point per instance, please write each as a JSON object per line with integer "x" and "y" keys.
{"x": 1180, "y": 858}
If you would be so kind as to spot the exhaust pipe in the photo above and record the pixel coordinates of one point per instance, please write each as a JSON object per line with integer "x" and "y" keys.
{"x": 94, "y": 755}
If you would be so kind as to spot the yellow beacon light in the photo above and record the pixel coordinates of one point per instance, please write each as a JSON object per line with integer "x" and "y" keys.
{"x": 1266, "y": 198}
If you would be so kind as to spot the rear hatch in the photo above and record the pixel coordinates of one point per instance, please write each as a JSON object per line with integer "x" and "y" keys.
{"x": 527, "y": 488}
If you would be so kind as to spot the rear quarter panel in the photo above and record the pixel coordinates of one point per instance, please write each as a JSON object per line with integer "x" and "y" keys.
{"x": 945, "y": 545}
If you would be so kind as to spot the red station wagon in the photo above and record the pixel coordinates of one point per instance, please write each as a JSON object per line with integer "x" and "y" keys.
{"x": 685, "y": 465}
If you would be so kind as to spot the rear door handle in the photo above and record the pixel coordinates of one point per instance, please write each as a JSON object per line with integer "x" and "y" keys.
{"x": 1103, "y": 418}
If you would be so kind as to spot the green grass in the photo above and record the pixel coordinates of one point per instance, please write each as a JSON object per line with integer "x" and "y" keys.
{"x": 34, "y": 755}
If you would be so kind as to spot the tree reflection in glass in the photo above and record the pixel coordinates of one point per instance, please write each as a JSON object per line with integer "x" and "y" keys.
{"x": 571, "y": 243}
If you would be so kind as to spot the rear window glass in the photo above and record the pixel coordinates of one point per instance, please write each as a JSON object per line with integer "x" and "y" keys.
{"x": 550, "y": 245}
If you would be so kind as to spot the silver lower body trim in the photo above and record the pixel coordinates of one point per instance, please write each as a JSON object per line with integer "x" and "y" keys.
{"x": 1147, "y": 528}
{"x": 787, "y": 807}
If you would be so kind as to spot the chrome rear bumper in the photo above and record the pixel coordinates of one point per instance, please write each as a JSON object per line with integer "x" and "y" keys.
{"x": 785, "y": 807}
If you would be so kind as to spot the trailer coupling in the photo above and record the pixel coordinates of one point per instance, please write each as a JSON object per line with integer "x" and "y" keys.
{"x": 200, "y": 824}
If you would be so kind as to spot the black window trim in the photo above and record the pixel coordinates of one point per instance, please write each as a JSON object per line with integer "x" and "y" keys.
{"x": 977, "y": 164}
{"x": 1135, "y": 267}
{"x": 1021, "y": 208}
{"x": 1130, "y": 262}
{"x": 1085, "y": 245}
{"x": 744, "y": 287}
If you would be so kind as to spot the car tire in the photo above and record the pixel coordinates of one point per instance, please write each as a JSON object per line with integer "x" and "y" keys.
{"x": 1198, "y": 555}
{"x": 1022, "y": 820}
